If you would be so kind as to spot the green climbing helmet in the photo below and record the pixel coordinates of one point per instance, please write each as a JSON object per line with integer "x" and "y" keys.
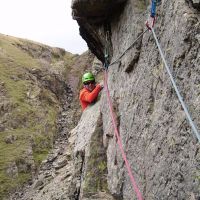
{"x": 88, "y": 77}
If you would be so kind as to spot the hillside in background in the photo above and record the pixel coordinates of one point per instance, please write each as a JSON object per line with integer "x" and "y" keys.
{"x": 37, "y": 83}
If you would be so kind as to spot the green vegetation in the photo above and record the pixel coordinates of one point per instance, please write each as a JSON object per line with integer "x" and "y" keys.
{"x": 10, "y": 153}
{"x": 13, "y": 55}
{"x": 31, "y": 121}
{"x": 8, "y": 184}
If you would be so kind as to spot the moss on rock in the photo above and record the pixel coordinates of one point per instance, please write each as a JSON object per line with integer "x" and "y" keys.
{"x": 96, "y": 169}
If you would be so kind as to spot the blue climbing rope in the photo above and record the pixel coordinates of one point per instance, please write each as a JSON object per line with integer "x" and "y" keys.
{"x": 176, "y": 89}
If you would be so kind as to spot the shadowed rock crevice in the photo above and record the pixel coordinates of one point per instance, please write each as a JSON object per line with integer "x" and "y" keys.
{"x": 93, "y": 40}
{"x": 92, "y": 20}
{"x": 95, "y": 11}
{"x": 195, "y": 3}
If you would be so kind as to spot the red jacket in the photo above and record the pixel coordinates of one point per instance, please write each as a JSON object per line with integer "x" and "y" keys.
{"x": 86, "y": 97}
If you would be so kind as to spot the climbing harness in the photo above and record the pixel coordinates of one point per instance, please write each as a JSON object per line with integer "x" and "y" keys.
{"x": 176, "y": 89}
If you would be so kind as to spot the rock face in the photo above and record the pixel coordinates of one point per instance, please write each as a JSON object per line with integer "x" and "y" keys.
{"x": 162, "y": 150}
{"x": 89, "y": 180}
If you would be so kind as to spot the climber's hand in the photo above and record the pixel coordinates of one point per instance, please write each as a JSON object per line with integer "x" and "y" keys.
{"x": 150, "y": 22}
{"x": 102, "y": 86}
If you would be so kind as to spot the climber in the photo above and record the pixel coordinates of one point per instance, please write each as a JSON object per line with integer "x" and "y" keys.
{"x": 151, "y": 21}
{"x": 90, "y": 90}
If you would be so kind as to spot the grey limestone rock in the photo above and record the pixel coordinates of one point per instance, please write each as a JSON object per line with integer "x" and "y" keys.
{"x": 159, "y": 143}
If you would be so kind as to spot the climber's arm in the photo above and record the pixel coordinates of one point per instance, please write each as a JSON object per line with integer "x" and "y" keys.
{"x": 91, "y": 96}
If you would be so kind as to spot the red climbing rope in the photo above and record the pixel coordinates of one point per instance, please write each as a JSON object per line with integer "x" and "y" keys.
{"x": 134, "y": 184}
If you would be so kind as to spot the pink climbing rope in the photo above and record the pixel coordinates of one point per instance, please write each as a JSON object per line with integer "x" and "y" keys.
{"x": 134, "y": 184}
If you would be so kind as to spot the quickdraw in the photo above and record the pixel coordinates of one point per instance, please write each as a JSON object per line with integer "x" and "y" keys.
{"x": 106, "y": 52}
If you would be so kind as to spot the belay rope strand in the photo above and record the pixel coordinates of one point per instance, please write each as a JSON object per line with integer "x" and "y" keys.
{"x": 118, "y": 59}
{"x": 116, "y": 131}
{"x": 119, "y": 141}
{"x": 176, "y": 89}
{"x": 150, "y": 27}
